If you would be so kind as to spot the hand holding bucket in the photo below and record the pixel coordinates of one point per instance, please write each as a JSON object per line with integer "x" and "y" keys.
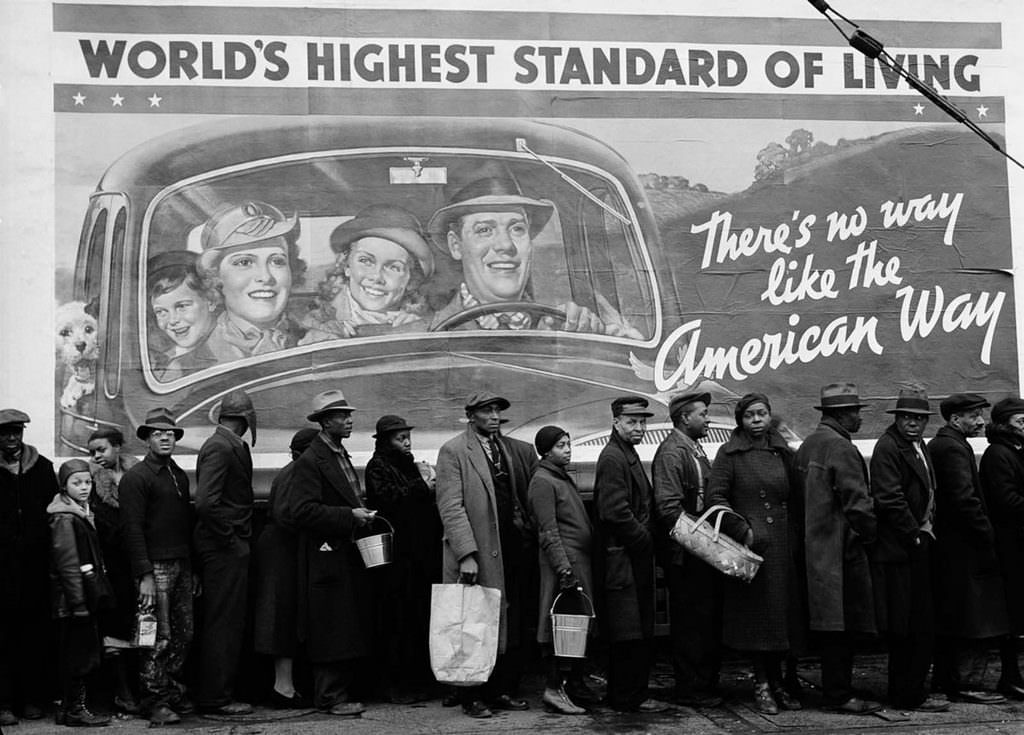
{"x": 377, "y": 549}
{"x": 569, "y": 632}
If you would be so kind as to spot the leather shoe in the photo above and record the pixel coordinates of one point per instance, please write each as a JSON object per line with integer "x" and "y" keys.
{"x": 556, "y": 700}
{"x": 932, "y": 704}
{"x": 505, "y": 702}
{"x": 977, "y": 696}
{"x": 163, "y": 715}
{"x": 347, "y": 709}
{"x": 580, "y": 693}
{"x": 785, "y": 700}
{"x": 450, "y": 699}
{"x": 477, "y": 709}
{"x": 653, "y": 706}
{"x": 31, "y": 712}
{"x": 7, "y": 718}
{"x": 231, "y": 709}
{"x": 182, "y": 705}
{"x": 296, "y": 701}
{"x": 857, "y": 706}
{"x": 764, "y": 702}
{"x": 1011, "y": 691}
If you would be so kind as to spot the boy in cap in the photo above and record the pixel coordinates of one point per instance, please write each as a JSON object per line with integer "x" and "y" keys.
{"x": 224, "y": 503}
{"x": 625, "y": 551}
{"x": 27, "y": 484}
{"x": 839, "y": 526}
{"x": 157, "y": 518}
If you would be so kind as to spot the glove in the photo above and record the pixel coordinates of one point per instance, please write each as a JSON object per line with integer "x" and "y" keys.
{"x": 567, "y": 580}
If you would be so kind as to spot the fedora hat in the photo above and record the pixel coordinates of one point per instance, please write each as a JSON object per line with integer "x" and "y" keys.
{"x": 840, "y": 395}
{"x": 390, "y": 223}
{"x": 491, "y": 194}
{"x": 159, "y": 419}
{"x": 390, "y": 423}
{"x": 329, "y": 400}
{"x": 237, "y": 404}
{"x": 482, "y": 398}
{"x": 912, "y": 400}
{"x": 244, "y": 224}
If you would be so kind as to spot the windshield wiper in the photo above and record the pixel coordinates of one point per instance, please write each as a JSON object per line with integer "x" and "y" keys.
{"x": 521, "y": 147}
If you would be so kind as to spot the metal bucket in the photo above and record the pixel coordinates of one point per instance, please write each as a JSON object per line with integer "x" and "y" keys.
{"x": 569, "y": 632}
{"x": 376, "y": 550}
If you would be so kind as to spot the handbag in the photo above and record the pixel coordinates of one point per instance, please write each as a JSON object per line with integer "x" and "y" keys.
{"x": 705, "y": 542}
{"x": 465, "y": 621}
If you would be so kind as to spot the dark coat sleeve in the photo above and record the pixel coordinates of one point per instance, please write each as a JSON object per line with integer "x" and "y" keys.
{"x": 955, "y": 494}
{"x": 1005, "y": 496}
{"x": 134, "y": 497}
{"x": 887, "y": 490}
{"x": 611, "y": 491}
{"x": 719, "y": 492}
{"x": 213, "y": 472}
{"x": 306, "y": 502}
{"x": 852, "y": 488}
{"x": 66, "y": 564}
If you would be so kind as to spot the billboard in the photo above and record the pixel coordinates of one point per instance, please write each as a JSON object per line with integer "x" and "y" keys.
{"x": 562, "y": 207}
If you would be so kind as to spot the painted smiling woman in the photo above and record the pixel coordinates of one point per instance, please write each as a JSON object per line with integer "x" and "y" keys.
{"x": 250, "y": 263}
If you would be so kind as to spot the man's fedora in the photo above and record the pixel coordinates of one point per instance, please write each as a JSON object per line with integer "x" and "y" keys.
{"x": 329, "y": 400}
{"x": 237, "y": 404}
{"x": 840, "y": 395}
{"x": 912, "y": 400}
{"x": 159, "y": 419}
{"x": 492, "y": 194}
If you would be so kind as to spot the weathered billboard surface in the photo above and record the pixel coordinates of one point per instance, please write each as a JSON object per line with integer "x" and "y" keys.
{"x": 562, "y": 207}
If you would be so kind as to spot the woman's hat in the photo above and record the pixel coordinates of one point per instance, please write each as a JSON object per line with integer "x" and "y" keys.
{"x": 1005, "y": 409}
{"x": 237, "y": 404}
{"x": 159, "y": 419}
{"x": 390, "y": 423}
{"x": 329, "y": 400}
{"x": 492, "y": 194}
{"x": 746, "y": 402}
{"x": 302, "y": 439}
{"x": 68, "y": 469}
{"x": 548, "y": 437}
{"x": 912, "y": 400}
{"x": 840, "y": 395}
{"x": 244, "y": 224}
{"x": 391, "y": 223}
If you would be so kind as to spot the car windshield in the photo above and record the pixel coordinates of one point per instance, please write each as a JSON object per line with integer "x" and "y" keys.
{"x": 301, "y": 252}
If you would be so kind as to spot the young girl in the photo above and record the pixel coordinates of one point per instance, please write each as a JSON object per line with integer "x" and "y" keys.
{"x": 78, "y": 586}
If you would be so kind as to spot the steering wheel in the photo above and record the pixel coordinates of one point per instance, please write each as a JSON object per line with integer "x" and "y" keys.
{"x": 475, "y": 312}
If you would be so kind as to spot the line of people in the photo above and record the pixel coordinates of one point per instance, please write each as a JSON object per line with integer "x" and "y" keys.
{"x": 923, "y": 548}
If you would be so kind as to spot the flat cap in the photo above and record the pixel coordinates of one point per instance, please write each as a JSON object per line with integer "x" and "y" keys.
{"x": 482, "y": 398}
{"x": 13, "y": 416}
{"x": 681, "y": 401}
{"x": 630, "y": 406}
{"x": 959, "y": 402}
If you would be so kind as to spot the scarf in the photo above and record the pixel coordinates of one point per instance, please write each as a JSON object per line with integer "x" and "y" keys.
{"x": 501, "y": 320}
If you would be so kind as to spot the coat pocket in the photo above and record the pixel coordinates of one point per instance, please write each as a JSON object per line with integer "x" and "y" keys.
{"x": 618, "y": 574}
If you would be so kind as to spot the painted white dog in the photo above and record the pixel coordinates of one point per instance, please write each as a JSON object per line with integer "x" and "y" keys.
{"x": 77, "y": 351}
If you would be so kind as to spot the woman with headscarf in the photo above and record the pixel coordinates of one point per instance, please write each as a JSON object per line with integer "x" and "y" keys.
{"x": 753, "y": 475}
{"x": 402, "y": 491}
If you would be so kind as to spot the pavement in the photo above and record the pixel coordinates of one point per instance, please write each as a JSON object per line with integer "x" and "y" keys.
{"x": 735, "y": 717}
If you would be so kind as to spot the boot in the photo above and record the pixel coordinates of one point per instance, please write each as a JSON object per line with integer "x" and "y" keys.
{"x": 77, "y": 714}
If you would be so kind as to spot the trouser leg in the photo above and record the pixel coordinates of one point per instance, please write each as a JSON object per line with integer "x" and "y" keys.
{"x": 629, "y": 666}
{"x": 836, "y": 666}
{"x": 695, "y": 619}
{"x": 225, "y": 588}
{"x": 331, "y": 683}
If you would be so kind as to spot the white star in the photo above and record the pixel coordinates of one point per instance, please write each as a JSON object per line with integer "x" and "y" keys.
{"x": 117, "y": 99}
{"x": 154, "y": 101}
{"x": 79, "y": 99}
{"x": 918, "y": 109}
{"x": 982, "y": 111}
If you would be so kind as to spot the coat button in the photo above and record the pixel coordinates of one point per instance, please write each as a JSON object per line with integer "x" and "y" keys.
{"x": 767, "y": 506}
{"x": 769, "y": 520}
{"x": 763, "y": 494}
{"x": 494, "y": 553}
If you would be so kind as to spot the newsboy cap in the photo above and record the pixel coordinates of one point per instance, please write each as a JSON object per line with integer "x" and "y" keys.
{"x": 840, "y": 395}
{"x": 959, "y": 402}
{"x": 482, "y": 398}
{"x": 13, "y": 416}
{"x": 237, "y": 404}
{"x": 677, "y": 403}
{"x": 329, "y": 400}
{"x": 912, "y": 400}
{"x": 159, "y": 419}
{"x": 630, "y": 406}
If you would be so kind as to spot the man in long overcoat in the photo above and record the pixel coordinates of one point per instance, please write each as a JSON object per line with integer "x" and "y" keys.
{"x": 335, "y": 605}
{"x": 224, "y": 503}
{"x": 903, "y": 486}
{"x": 482, "y": 480}
{"x": 680, "y": 474}
{"x": 970, "y": 602}
{"x": 625, "y": 552}
{"x": 839, "y": 524}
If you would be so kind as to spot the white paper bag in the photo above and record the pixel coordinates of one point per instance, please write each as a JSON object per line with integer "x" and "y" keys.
{"x": 464, "y": 627}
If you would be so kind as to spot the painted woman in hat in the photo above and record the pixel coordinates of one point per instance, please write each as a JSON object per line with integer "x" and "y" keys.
{"x": 382, "y": 259}
{"x": 250, "y": 262}
{"x": 753, "y": 475}
{"x": 402, "y": 491}
{"x": 183, "y": 311}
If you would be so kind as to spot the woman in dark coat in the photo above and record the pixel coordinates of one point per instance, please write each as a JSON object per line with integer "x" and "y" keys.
{"x": 277, "y": 559}
{"x": 753, "y": 475}
{"x": 565, "y": 536}
{"x": 402, "y": 491}
{"x": 1002, "y": 482}
{"x": 107, "y": 466}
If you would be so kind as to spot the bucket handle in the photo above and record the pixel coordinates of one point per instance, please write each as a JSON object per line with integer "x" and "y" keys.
{"x": 718, "y": 521}
{"x": 374, "y": 520}
{"x": 579, "y": 591}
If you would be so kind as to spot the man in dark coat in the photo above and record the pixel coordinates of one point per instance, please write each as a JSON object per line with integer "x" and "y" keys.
{"x": 224, "y": 504}
{"x": 839, "y": 525}
{"x": 970, "y": 604}
{"x": 680, "y": 475}
{"x": 903, "y": 486}
{"x": 335, "y": 616}
{"x": 27, "y": 484}
{"x": 625, "y": 553}
{"x": 482, "y": 480}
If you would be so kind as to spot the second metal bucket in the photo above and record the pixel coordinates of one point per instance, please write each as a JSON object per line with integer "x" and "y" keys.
{"x": 569, "y": 632}
{"x": 377, "y": 550}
